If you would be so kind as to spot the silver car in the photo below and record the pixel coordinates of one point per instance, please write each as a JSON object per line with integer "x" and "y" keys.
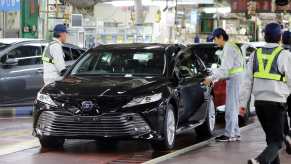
{"x": 21, "y": 70}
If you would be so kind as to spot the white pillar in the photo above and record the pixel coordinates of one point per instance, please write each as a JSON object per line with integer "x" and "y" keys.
{"x": 138, "y": 12}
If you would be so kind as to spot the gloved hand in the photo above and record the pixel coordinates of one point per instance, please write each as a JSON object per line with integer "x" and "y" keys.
{"x": 242, "y": 111}
{"x": 207, "y": 81}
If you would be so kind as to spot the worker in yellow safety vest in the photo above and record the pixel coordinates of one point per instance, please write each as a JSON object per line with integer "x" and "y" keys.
{"x": 286, "y": 40}
{"x": 53, "y": 56}
{"x": 231, "y": 69}
{"x": 268, "y": 77}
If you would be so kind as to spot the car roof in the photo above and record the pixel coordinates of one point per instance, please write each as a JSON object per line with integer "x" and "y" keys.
{"x": 17, "y": 40}
{"x": 33, "y": 42}
{"x": 133, "y": 46}
{"x": 71, "y": 45}
{"x": 256, "y": 44}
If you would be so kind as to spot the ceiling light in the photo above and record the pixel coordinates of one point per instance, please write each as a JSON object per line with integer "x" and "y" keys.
{"x": 160, "y": 3}
{"x": 221, "y": 10}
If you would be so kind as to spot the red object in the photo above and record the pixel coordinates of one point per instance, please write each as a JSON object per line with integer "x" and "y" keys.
{"x": 264, "y": 6}
{"x": 238, "y": 6}
{"x": 32, "y": 7}
{"x": 242, "y": 112}
{"x": 219, "y": 90}
{"x": 286, "y": 8}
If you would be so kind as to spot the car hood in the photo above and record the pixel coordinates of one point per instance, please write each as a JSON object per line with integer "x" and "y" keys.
{"x": 110, "y": 93}
{"x": 105, "y": 86}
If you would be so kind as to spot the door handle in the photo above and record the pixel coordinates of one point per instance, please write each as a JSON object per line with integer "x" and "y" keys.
{"x": 39, "y": 71}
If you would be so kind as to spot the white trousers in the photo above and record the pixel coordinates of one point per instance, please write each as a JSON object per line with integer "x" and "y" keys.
{"x": 232, "y": 106}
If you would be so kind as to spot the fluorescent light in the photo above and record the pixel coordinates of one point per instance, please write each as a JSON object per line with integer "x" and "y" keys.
{"x": 121, "y": 3}
{"x": 180, "y": 12}
{"x": 124, "y": 3}
{"x": 222, "y": 10}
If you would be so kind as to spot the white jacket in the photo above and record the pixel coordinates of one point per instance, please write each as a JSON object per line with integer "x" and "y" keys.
{"x": 267, "y": 90}
{"x": 51, "y": 72}
{"x": 231, "y": 58}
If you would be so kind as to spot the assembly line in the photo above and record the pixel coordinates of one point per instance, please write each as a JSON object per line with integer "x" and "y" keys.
{"x": 115, "y": 82}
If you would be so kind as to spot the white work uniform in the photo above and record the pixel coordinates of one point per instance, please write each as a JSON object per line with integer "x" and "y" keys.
{"x": 52, "y": 71}
{"x": 264, "y": 89}
{"x": 231, "y": 58}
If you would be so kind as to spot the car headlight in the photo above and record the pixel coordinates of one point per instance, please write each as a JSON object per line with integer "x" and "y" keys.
{"x": 143, "y": 100}
{"x": 45, "y": 99}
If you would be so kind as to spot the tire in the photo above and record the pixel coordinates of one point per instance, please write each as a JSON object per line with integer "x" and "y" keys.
{"x": 207, "y": 128}
{"x": 169, "y": 131}
{"x": 51, "y": 142}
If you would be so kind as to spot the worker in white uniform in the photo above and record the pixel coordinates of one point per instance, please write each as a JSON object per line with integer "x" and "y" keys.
{"x": 268, "y": 77}
{"x": 231, "y": 69}
{"x": 286, "y": 40}
{"x": 53, "y": 57}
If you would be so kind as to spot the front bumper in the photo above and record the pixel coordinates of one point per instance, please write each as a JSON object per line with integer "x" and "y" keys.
{"x": 108, "y": 125}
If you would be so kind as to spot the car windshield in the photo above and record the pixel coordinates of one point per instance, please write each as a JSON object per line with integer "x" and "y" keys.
{"x": 121, "y": 63}
{"x": 3, "y": 46}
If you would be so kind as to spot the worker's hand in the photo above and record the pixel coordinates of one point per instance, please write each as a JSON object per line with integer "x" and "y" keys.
{"x": 242, "y": 111}
{"x": 207, "y": 81}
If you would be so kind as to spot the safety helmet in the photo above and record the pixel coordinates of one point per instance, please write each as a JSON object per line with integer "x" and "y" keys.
{"x": 273, "y": 32}
{"x": 286, "y": 38}
{"x": 60, "y": 28}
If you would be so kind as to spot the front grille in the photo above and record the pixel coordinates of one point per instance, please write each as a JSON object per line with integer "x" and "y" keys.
{"x": 54, "y": 123}
{"x": 104, "y": 103}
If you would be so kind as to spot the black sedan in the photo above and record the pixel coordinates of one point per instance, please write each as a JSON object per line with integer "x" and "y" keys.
{"x": 127, "y": 91}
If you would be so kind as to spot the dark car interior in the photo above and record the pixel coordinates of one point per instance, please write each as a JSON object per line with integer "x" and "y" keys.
{"x": 207, "y": 53}
{"x": 31, "y": 55}
{"x": 126, "y": 62}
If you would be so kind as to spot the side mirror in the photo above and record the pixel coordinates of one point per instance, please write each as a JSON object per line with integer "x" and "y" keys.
{"x": 10, "y": 63}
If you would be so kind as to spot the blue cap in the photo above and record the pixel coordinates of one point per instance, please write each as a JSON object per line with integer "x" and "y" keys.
{"x": 216, "y": 33}
{"x": 209, "y": 38}
{"x": 60, "y": 28}
{"x": 286, "y": 38}
{"x": 273, "y": 30}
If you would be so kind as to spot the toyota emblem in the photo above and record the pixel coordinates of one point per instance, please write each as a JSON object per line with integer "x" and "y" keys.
{"x": 87, "y": 106}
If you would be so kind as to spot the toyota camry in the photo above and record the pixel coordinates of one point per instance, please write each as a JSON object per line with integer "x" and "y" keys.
{"x": 127, "y": 91}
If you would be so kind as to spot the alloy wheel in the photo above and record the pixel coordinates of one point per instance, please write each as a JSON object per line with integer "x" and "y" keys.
{"x": 211, "y": 115}
{"x": 171, "y": 129}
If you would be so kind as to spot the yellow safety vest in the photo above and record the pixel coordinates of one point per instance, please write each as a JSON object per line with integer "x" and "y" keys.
{"x": 46, "y": 57}
{"x": 264, "y": 65}
{"x": 236, "y": 70}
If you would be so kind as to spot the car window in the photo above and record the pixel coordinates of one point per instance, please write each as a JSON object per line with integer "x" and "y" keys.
{"x": 124, "y": 62}
{"x": 67, "y": 52}
{"x": 76, "y": 53}
{"x": 26, "y": 55}
{"x": 207, "y": 54}
{"x": 190, "y": 65}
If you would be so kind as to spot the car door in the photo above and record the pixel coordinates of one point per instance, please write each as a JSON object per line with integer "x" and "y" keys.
{"x": 190, "y": 71}
{"x": 211, "y": 54}
{"x": 22, "y": 79}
